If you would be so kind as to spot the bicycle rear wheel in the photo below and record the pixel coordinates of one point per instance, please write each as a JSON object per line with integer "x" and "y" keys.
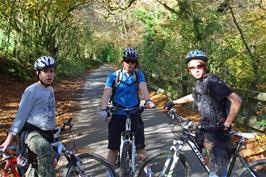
{"x": 92, "y": 165}
{"x": 11, "y": 172}
{"x": 258, "y": 167}
{"x": 160, "y": 164}
{"x": 124, "y": 169}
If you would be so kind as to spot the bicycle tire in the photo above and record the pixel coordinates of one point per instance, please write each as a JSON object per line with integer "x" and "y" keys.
{"x": 92, "y": 166}
{"x": 157, "y": 162}
{"x": 124, "y": 169}
{"x": 258, "y": 167}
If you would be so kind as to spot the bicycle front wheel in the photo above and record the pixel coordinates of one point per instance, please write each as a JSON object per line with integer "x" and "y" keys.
{"x": 258, "y": 167}
{"x": 124, "y": 169}
{"x": 161, "y": 163}
{"x": 90, "y": 165}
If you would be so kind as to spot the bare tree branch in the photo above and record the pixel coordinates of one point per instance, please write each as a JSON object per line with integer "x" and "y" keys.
{"x": 118, "y": 7}
{"x": 254, "y": 61}
{"x": 240, "y": 32}
{"x": 167, "y": 7}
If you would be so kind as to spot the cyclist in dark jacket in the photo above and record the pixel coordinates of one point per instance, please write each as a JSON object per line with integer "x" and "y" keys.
{"x": 218, "y": 107}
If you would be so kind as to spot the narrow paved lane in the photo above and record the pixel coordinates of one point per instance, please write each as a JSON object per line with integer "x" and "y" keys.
{"x": 91, "y": 131}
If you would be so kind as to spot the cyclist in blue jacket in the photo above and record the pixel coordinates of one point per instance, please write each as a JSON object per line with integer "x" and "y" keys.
{"x": 218, "y": 107}
{"x": 123, "y": 87}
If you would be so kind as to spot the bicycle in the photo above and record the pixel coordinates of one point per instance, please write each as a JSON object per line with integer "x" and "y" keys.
{"x": 173, "y": 163}
{"x": 127, "y": 153}
{"x": 81, "y": 165}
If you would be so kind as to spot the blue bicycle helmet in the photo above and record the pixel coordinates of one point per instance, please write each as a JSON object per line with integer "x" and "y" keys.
{"x": 196, "y": 54}
{"x": 130, "y": 53}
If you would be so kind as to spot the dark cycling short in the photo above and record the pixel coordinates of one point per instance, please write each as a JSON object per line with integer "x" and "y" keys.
{"x": 117, "y": 125}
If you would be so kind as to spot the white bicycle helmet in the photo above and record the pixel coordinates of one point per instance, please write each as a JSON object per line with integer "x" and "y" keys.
{"x": 44, "y": 62}
{"x": 196, "y": 54}
{"x": 130, "y": 53}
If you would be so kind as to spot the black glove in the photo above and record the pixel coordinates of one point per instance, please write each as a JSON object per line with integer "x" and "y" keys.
{"x": 223, "y": 128}
{"x": 169, "y": 105}
{"x": 105, "y": 114}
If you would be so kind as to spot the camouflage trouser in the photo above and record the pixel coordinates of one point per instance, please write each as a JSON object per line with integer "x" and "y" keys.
{"x": 217, "y": 159}
{"x": 217, "y": 150}
{"x": 45, "y": 154}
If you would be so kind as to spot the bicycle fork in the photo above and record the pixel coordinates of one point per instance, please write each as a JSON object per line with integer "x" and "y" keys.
{"x": 176, "y": 148}
{"x": 132, "y": 154}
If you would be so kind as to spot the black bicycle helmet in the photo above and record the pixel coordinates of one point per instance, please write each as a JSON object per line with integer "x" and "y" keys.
{"x": 196, "y": 54}
{"x": 44, "y": 62}
{"x": 130, "y": 53}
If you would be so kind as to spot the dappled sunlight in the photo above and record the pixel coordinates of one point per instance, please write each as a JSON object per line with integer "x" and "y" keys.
{"x": 97, "y": 84}
{"x": 255, "y": 148}
{"x": 82, "y": 103}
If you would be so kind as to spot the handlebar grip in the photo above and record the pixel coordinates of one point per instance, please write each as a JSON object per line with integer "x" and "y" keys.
{"x": 9, "y": 148}
{"x": 68, "y": 121}
{"x": 113, "y": 109}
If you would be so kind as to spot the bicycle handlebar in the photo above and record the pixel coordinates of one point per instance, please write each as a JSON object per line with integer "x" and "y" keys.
{"x": 127, "y": 110}
{"x": 140, "y": 109}
{"x": 9, "y": 148}
{"x": 56, "y": 134}
{"x": 62, "y": 128}
{"x": 173, "y": 114}
{"x": 188, "y": 125}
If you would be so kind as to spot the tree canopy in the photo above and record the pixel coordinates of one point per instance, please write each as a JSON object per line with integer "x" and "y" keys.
{"x": 81, "y": 32}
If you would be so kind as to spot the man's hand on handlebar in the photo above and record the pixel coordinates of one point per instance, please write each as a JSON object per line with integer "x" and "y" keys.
{"x": 223, "y": 128}
{"x": 105, "y": 114}
{"x": 169, "y": 105}
{"x": 149, "y": 104}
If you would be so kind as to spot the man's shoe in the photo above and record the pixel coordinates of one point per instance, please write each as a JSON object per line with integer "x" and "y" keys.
{"x": 148, "y": 172}
{"x": 108, "y": 174}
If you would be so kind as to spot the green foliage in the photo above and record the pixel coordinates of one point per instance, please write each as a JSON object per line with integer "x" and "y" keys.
{"x": 163, "y": 32}
{"x": 157, "y": 49}
{"x": 262, "y": 120}
{"x": 108, "y": 53}
{"x": 71, "y": 67}
{"x": 32, "y": 28}
{"x": 170, "y": 34}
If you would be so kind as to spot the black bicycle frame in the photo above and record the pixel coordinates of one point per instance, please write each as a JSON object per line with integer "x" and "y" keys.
{"x": 244, "y": 163}
{"x": 189, "y": 139}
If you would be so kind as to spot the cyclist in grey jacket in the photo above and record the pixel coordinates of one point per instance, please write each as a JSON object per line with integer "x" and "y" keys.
{"x": 36, "y": 119}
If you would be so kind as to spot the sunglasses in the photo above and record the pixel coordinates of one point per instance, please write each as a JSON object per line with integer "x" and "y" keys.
{"x": 196, "y": 67}
{"x": 130, "y": 61}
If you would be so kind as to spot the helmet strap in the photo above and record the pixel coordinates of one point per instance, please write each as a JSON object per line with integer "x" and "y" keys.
{"x": 46, "y": 85}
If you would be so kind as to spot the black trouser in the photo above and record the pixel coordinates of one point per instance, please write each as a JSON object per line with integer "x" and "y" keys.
{"x": 117, "y": 125}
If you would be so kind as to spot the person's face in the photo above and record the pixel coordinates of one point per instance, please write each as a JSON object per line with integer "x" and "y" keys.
{"x": 47, "y": 76}
{"x": 129, "y": 64}
{"x": 197, "y": 68}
